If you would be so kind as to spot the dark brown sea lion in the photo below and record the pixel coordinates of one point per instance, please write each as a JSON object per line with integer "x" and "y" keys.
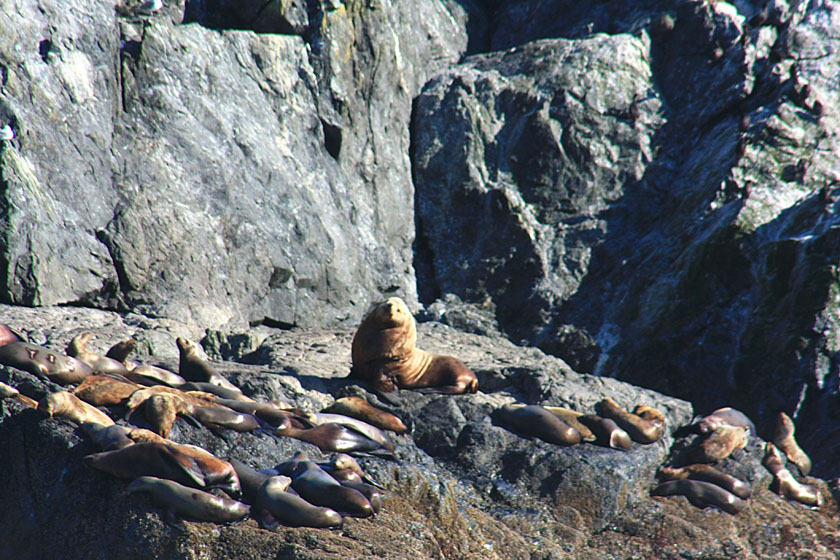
{"x": 639, "y": 429}
{"x": 783, "y": 438}
{"x": 192, "y": 367}
{"x": 103, "y": 390}
{"x": 336, "y": 437}
{"x": 185, "y": 464}
{"x": 384, "y": 354}
{"x": 293, "y": 510}
{"x": 607, "y": 432}
{"x": 108, "y": 438}
{"x": 220, "y": 417}
{"x": 188, "y": 502}
{"x": 122, "y": 350}
{"x": 359, "y": 408}
{"x": 536, "y": 421}
{"x": 68, "y": 406}
{"x": 369, "y": 491}
{"x": 784, "y": 482}
{"x": 374, "y": 433}
{"x": 267, "y": 412}
{"x": 250, "y": 479}
{"x": 701, "y": 494}
{"x": 718, "y": 444}
{"x": 43, "y": 362}
{"x": 708, "y": 473}
{"x": 317, "y": 487}
{"x": 98, "y": 363}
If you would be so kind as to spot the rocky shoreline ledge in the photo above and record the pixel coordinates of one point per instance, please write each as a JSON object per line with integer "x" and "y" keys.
{"x": 462, "y": 487}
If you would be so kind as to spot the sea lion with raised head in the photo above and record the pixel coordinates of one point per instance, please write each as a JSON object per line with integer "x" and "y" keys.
{"x": 708, "y": 473}
{"x": 535, "y": 421}
{"x": 639, "y": 429}
{"x": 384, "y": 354}
{"x": 122, "y": 350}
{"x": 783, "y": 438}
{"x": 192, "y": 367}
{"x": 70, "y": 407}
{"x": 98, "y": 363}
{"x": 190, "y": 503}
{"x": 44, "y": 363}
{"x": 359, "y": 408}
{"x": 701, "y": 494}
{"x": 784, "y": 482}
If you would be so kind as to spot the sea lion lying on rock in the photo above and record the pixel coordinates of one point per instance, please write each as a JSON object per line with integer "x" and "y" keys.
{"x": 384, "y": 353}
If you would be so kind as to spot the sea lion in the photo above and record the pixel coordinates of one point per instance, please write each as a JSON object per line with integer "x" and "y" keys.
{"x": 214, "y": 389}
{"x": 145, "y": 374}
{"x": 384, "y": 353}
{"x": 267, "y": 412}
{"x": 68, "y": 406}
{"x": 292, "y": 510}
{"x": 718, "y": 444}
{"x": 726, "y": 416}
{"x": 783, "y": 438}
{"x": 189, "y": 502}
{"x": 7, "y": 335}
{"x": 220, "y": 417}
{"x": 99, "y": 364}
{"x": 196, "y": 399}
{"x": 607, "y": 432}
{"x": 374, "y": 433}
{"x": 9, "y": 392}
{"x": 372, "y": 493}
{"x": 345, "y": 468}
{"x": 186, "y": 464}
{"x": 336, "y": 437}
{"x": 639, "y": 429}
{"x": 107, "y": 438}
{"x": 162, "y": 409}
{"x": 708, "y": 473}
{"x": 250, "y": 479}
{"x": 192, "y": 367}
{"x": 44, "y": 363}
{"x": 701, "y": 494}
{"x": 536, "y": 421}
{"x": 359, "y": 408}
{"x": 784, "y": 482}
{"x": 572, "y": 418}
{"x": 122, "y": 350}
{"x": 317, "y": 487}
{"x": 104, "y": 390}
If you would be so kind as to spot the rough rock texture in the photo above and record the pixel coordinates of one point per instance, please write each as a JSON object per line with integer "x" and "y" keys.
{"x": 463, "y": 487}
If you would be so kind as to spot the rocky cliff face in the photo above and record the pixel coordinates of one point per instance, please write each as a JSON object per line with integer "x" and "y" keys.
{"x": 644, "y": 190}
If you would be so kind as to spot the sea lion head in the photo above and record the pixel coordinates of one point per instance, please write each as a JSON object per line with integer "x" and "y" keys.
{"x": 392, "y": 312}
{"x": 185, "y": 347}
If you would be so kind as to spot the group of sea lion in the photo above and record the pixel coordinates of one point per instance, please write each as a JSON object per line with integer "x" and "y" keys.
{"x": 181, "y": 478}
{"x": 719, "y": 435}
{"x": 614, "y": 427}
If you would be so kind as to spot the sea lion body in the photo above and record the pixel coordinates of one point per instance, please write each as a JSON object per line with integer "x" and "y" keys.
{"x": 67, "y": 405}
{"x": 785, "y": 484}
{"x": 162, "y": 409}
{"x": 103, "y": 390}
{"x": 536, "y": 421}
{"x": 718, "y": 444}
{"x": 701, "y": 494}
{"x": 317, "y": 487}
{"x": 372, "y": 432}
{"x": 607, "y": 432}
{"x": 214, "y": 389}
{"x": 726, "y": 416}
{"x": 384, "y": 353}
{"x": 145, "y": 374}
{"x": 266, "y": 412}
{"x": 639, "y": 429}
{"x": 372, "y": 493}
{"x": 221, "y": 417}
{"x": 336, "y": 437}
{"x": 783, "y": 438}
{"x": 43, "y": 362}
{"x": 99, "y": 364}
{"x": 572, "y": 418}
{"x": 190, "y": 502}
{"x": 293, "y": 510}
{"x": 108, "y": 438}
{"x": 359, "y": 408}
{"x": 708, "y": 473}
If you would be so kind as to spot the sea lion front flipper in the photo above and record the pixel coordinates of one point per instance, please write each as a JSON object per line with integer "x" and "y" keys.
{"x": 172, "y": 519}
{"x": 392, "y": 398}
{"x": 264, "y": 518}
{"x": 191, "y": 419}
{"x": 185, "y": 463}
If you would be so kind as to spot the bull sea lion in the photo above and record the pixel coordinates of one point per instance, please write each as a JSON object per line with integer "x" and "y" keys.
{"x": 336, "y": 437}
{"x": 103, "y": 390}
{"x": 639, "y": 429}
{"x": 784, "y": 482}
{"x": 536, "y": 421}
{"x": 99, "y": 364}
{"x": 708, "y": 473}
{"x": 718, "y": 444}
{"x": 189, "y": 502}
{"x": 701, "y": 494}
{"x": 783, "y": 438}
{"x": 67, "y": 405}
{"x": 317, "y": 487}
{"x": 607, "y": 432}
{"x": 44, "y": 363}
{"x": 384, "y": 354}
{"x": 293, "y": 510}
{"x": 359, "y": 408}
{"x": 192, "y": 367}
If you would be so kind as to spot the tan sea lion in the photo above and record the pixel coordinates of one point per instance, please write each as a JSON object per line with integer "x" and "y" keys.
{"x": 726, "y": 416}
{"x": 639, "y": 429}
{"x": 189, "y": 502}
{"x": 293, "y": 510}
{"x": 196, "y": 399}
{"x": 103, "y": 390}
{"x": 43, "y": 362}
{"x": 701, "y": 494}
{"x": 384, "y": 354}
{"x": 345, "y": 468}
{"x": 607, "y": 432}
{"x": 783, "y": 438}
{"x": 9, "y": 392}
{"x": 359, "y": 408}
{"x": 536, "y": 421}
{"x": 67, "y": 405}
{"x": 784, "y": 482}
{"x": 572, "y": 418}
{"x": 718, "y": 444}
{"x": 162, "y": 409}
{"x": 338, "y": 438}
{"x": 192, "y": 367}
{"x": 98, "y": 363}
{"x": 708, "y": 473}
